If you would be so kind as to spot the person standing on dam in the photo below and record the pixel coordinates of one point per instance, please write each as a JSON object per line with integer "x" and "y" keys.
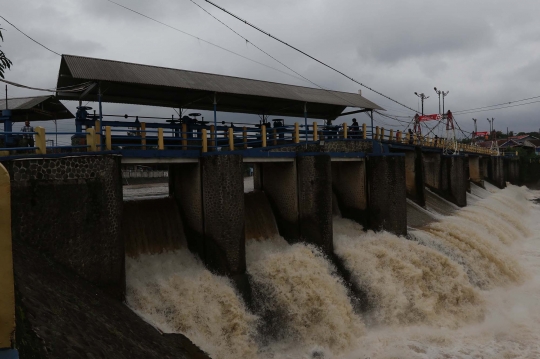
{"x": 28, "y": 138}
{"x": 355, "y": 129}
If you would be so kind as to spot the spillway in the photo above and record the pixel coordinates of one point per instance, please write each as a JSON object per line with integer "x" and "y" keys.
{"x": 464, "y": 284}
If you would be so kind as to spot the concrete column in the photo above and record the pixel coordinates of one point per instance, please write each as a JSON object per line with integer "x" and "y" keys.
{"x": 185, "y": 186}
{"x": 387, "y": 194}
{"x": 432, "y": 170}
{"x": 414, "y": 176}
{"x": 349, "y": 187}
{"x": 223, "y": 211}
{"x": 279, "y": 182}
{"x": 455, "y": 181}
{"x": 315, "y": 201}
{"x": 496, "y": 171}
{"x": 484, "y": 167}
{"x": 475, "y": 173}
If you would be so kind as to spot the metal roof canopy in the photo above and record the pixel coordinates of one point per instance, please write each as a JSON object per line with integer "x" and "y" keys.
{"x": 137, "y": 84}
{"x": 38, "y": 108}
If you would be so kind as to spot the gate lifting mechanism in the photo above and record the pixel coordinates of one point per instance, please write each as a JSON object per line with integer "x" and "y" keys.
{"x": 449, "y": 140}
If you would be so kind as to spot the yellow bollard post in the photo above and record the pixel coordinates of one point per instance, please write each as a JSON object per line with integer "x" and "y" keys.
{"x": 391, "y": 135}
{"x": 315, "y": 134}
{"x": 263, "y": 136}
{"x": 213, "y": 136}
{"x": 382, "y": 133}
{"x": 184, "y": 136}
{"x": 7, "y": 293}
{"x": 344, "y": 131}
{"x": 231, "y": 139}
{"x": 108, "y": 139}
{"x": 143, "y": 135}
{"x": 364, "y": 131}
{"x": 41, "y": 143}
{"x": 408, "y": 137}
{"x": 160, "y": 140}
{"x": 91, "y": 139}
{"x": 244, "y": 135}
{"x": 204, "y": 140}
{"x": 377, "y": 131}
{"x": 398, "y": 136}
{"x": 296, "y": 133}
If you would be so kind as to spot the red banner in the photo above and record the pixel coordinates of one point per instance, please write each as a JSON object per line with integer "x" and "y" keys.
{"x": 434, "y": 117}
{"x": 481, "y": 133}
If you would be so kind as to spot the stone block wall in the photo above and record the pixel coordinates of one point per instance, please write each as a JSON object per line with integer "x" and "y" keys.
{"x": 70, "y": 209}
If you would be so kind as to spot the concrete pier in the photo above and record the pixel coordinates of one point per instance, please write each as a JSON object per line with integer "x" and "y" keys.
{"x": 315, "y": 200}
{"x": 387, "y": 194}
{"x": 454, "y": 181}
{"x": 475, "y": 171}
{"x": 496, "y": 172}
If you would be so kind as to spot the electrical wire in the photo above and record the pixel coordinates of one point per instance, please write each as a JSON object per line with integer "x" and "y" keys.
{"x": 273, "y": 58}
{"x": 37, "y": 42}
{"x": 63, "y": 89}
{"x": 500, "y": 104}
{"x": 500, "y": 108}
{"x": 306, "y": 54}
{"x": 199, "y": 39}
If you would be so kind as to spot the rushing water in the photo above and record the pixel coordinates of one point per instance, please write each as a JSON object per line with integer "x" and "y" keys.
{"x": 464, "y": 285}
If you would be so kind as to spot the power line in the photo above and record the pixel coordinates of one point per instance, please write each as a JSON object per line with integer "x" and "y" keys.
{"x": 272, "y": 57}
{"x": 305, "y": 54}
{"x": 500, "y": 104}
{"x": 500, "y": 108}
{"x": 37, "y": 42}
{"x": 199, "y": 39}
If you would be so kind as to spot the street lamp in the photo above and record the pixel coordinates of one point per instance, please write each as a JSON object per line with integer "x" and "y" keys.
{"x": 422, "y": 98}
{"x": 444, "y": 94}
{"x": 438, "y": 92}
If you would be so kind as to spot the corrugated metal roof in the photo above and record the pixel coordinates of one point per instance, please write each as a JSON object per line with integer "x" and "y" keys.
{"x": 85, "y": 68}
{"x": 37, "y": 108}
{"x": 23, "y": 103}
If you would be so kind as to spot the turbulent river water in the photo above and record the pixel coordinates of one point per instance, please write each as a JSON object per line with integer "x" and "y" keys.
{"x": 466, "y": 285}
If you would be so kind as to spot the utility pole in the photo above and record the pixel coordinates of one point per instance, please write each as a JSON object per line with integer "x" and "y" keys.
{"x": 438, "y": 92}
{"x": 490, "y": 131}
{"x": 422, "y": 98}
{"x": 444, "y": 94}
{"x": 475, "y": 130}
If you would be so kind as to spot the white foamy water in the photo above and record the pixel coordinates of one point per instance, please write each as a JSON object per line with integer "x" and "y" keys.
{"x": 468, "y": 287}
{"x": 299, "y": 284}
{"x": 511, "y": 324}
{"x": 177, "y": 294}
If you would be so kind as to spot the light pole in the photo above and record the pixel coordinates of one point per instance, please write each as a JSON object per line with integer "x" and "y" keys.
{"x": 444, "y": 94}
{"x": 475, "y": 129}
{"x": 422, "y": 98}
{"x": 438, "y": 92}
{"x": 490, "y": 131}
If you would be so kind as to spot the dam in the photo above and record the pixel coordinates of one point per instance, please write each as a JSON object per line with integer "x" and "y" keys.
{"x": 371, "y": 245}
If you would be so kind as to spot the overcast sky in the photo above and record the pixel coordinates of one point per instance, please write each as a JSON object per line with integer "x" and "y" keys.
{"x": 483, "y": 52}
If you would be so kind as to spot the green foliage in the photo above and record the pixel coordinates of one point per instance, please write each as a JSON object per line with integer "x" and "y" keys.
{"x": 5, "y": 63}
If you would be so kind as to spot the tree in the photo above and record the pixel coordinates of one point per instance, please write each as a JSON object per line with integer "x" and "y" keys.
{"x": 5, "y": 63}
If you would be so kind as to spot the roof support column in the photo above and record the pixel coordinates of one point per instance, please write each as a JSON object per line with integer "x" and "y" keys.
{"x": 371, "y": 116}
{"x": 215, "y": 111}
{"x": 305, "y": 121}
{"x": 100, "y": 118}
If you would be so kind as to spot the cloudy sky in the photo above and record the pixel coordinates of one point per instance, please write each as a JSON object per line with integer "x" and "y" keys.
{"x": 483, "y": 52}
